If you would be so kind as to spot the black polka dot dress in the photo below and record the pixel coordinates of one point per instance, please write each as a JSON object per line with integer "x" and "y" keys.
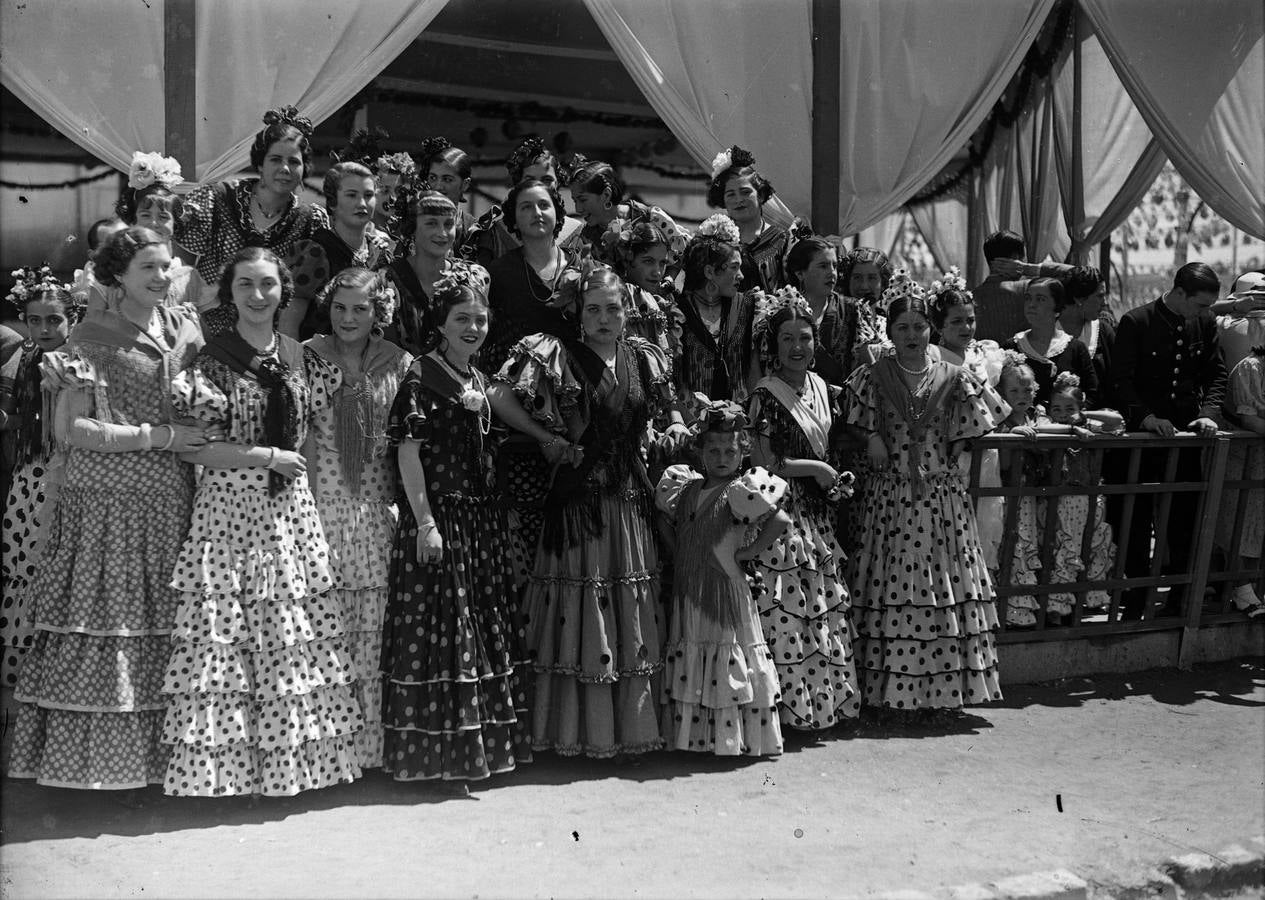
{"x": 720, "y": 686}
{"x": 804, "y": 603}
{"x": 356, "y": 484}
{"x": 454, "y": 692}
{"x": 259, "y": 676}
{"x": 924, "y": 608}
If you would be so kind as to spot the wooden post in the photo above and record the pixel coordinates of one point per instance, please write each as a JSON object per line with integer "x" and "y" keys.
{"x": 179, "y": 68}
{"x": 1079, "y": 253}
{"x": 827, "y": 22}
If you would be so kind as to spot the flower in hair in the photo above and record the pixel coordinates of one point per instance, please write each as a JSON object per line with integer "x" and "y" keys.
{"x": 400, "y": 163}
{"x": 567, "y": 169}
{"x": 901, "y": 285}
{"x": 718, "y": 415}
{"x": 464, "y": 274}
{"x": 766, "y": 307}
{"x": 526, "y": 153}
{"x": 1067, "y": 380}
{"x": 433, "y": 145}
{"x": 1013, "y": 359}
{"x": 362, "y": 147}
{"x": 28, "y": 281}
{"x": 721, "y": 227}
{"x": 153, "y": 168}
{"x": 951, "y": 280}
{"x": 733, "y": 158}
{"x": 720, "y": 163}
{"x": 289, "y": 115}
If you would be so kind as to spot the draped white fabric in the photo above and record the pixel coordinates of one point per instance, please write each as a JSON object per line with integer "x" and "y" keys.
{"x": 1197, "y": 74}
{"x": 94, "y": 68}
{"x": 943, "y": 224}
{"x": 252, "y": 56}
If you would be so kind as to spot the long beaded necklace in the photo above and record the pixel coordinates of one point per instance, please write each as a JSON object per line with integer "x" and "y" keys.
{"x": 552, "y": 284}
{"x": 474, "y": 388}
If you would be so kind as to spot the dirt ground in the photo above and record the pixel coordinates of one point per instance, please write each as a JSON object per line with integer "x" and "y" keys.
{"x": 1143, "y": 766}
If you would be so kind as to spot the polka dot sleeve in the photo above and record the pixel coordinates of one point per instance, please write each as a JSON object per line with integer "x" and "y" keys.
{"x": 539, "y": 372}
{"x": 409, "y": 411}
{"x": 1246, "y": 396}
{"x": 324, "y": 380}
{"x": 667, "y": 494}
{"x": 310, "y": 268}
{"x": 61, "y": 371}
{"x": 755, "y": 494}
{"x": 976, "y": 408}
{"x": 194, "y": 396}
{"x": 193, "y": 229}
{"x": 860, "y": 400}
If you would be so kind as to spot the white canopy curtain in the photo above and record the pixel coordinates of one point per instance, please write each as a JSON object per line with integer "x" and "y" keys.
{"x": 94, "y": 68}
{"x": 917, "y": 79}
{"x": 1197, "y": 75}
{"x": 943, "y": 223}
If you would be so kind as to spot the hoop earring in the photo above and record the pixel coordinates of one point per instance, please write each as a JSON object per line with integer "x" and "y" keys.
{"x": 608, "y": 205}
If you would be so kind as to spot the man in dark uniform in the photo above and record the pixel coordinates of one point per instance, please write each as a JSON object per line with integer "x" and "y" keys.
{"x": 1168, "y": 375}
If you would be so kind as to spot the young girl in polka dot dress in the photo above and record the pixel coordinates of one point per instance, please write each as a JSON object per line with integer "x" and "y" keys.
{"x": 924, "y": 602}
{"x": 49, "y": 312}
{"x": 356, "y": 482}
{"x": 720, "y": 686}
{"x": 259, "y": 679}
{"x": 1018, "y": 388}
{"x": 805, "y": 603}
{"x": 100, "y": 600}
{"x": 451, "y": 647}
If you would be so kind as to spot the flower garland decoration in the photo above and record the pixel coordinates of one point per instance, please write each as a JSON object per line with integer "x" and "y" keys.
{"x": 153, "y": 168}
{"x": 29, "y": 281}
{"x": 720, "y": 227}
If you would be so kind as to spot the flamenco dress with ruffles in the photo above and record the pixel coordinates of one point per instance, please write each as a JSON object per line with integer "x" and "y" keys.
{"x": 355, "y": 485}
{"x": 924, "y": 609}
{"x": 592, "y": 611}
{"x": 452, "y": 654}
{"x": 720, "y": 687}
{"x": 259, "y": 676}
{"x": 805, "y": 601}
{"x": 100, "y": 600}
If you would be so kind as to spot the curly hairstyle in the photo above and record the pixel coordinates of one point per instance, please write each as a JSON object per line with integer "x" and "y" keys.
{"x": 1068, "y": 383}
{"x": 448, "y": 295}
{"x": 529, "y": 152}
{"x": 510, "y": 205}
{"x": 596, "y": 178}
{"x": 742, "y": 163}
{"x": 224, "y": 292}
{"x": 132, "y": 201}
{"x": 854, "y": 258}
{"x": 801, "y": 257}
{"x": 381, "y": 293}
{"x": 788, "y": 313}
{"x": 334, "y": 176}
{"x": 1016, "y": 362}
{"x": 940, "y": 304}
{"x": 118, "y": 251}
{"x": 282, "y": 124}
{"x": 703, "y": 251}
{"x": 423, "y": 202}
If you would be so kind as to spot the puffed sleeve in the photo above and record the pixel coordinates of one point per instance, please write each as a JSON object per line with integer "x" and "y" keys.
{"x": 755, "y": 494}
{"x": 195, "y": 396}
{"x": 193, "y": 229}
{"x": 67, "y": 370}
{"x": 409, "y": 410}
{"x": 323, "y": 378}
{"x": 992, "y": 356}
{"x": 861, "y": 400}
{"x": 975, "y": 410}
{"x": 540, "y": 374}
{"x": 675, "y": 479}
{"x": 657, "y": 371}
{"x": 1246, "y": 396}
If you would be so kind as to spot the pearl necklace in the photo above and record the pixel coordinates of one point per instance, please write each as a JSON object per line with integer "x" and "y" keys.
{"x": 923, "y": 371}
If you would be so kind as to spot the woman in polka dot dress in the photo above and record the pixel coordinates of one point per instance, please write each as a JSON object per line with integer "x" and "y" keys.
{"x": 805, "y": 602}
{"x": 451, "y": 655}
{"x": 719, "y": 682}
{"x": 100, "y": 599}
{"x": 261, "y": 699}
{"x": 49, "y": 311}
{"x": 924, "y": 610}
{"x": 356, "y": 482}
{"x": 592, "y": 607}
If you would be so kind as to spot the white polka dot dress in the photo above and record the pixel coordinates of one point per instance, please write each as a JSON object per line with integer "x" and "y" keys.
{"x": 924, "y": 608}
{"x": 804, "y": 600}
{"x": 720, "y": 687}
{"x": 99, "y": 599}
{"x": 356, "y": 500}
{"x": 259, "y": 675}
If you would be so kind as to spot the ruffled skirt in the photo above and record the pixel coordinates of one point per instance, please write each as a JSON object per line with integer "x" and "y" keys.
{"x": 22, "y": 510}
{"x": 102, "y": 609}
{"x": 455, "y": 707}
{"x": 924, "y": 609}
{"x": 260, "y": 678}
{"x": 803, "y": 609}
{"x": 360, "y": 533}
{"x": 592, "y": 618}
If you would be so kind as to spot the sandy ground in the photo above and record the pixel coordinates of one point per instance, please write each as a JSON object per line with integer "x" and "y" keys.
{"x": 1144, "y": 766}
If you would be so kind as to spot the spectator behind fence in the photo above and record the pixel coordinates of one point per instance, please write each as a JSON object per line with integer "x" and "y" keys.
{"x": 1242, "y": 327}
{"x": 1084, "y": 318}
{"x": 1167, "y": 374}
{"x": 1245, "y": 404}
{"x": 1051, "y": 350}
{"x": 999, "y": 297}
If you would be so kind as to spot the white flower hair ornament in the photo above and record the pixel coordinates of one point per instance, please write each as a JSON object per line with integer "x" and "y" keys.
{"x": 951, "y": 280}
{"x": 720, "y": 226}
{"x": 766, "y": 307}
{"x": 721, "y": 162}
{"x": 153, "y": 168}
{"x": 29, "y": 280}
{"x": 901, "y": 285}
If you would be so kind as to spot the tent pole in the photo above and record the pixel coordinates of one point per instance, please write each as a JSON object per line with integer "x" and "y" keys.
{"x": 179, "y": 68}
{"x": 827, "y": 22}
{"x": 1079, "y": 253}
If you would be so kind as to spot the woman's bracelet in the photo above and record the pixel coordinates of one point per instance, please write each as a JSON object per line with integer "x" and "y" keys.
{"x": 171, "y": 437}
{"x": 272, "y": 458}
{"x": 147, "y": 435}
{"x": 428, "y": 525}
{"x": 553, "y": 440}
